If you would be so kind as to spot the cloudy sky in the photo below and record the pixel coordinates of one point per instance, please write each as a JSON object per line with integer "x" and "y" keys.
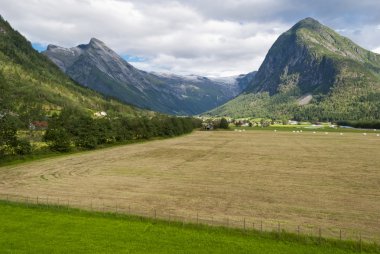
{"x": 206, "y": 37}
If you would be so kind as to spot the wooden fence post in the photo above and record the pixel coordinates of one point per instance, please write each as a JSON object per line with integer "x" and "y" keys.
{"x": 340, "y": 234}
{"x": 261, "y": 226}
{"x": 197, "y": 218}
{"x": 320, "y": 235}
{"x": 244, "y": 223}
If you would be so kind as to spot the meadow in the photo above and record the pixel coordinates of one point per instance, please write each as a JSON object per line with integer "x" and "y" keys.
{"x": 312, "y": 183}
{"x": 42, "y": 229}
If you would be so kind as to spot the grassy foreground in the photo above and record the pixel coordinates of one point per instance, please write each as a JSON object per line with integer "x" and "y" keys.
{"x": 42, "y": 229}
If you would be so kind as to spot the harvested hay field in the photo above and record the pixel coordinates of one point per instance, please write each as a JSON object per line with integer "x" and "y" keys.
{"x": 329, "y": 181}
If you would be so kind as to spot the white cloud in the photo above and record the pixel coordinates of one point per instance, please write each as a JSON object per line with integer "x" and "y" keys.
{"x": 194, "y": 36}
{"x": 376, "y": 50}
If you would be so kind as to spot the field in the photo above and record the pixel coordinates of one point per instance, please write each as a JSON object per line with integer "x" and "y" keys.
{"x": 321, "y": 182}
{"x": 41, "y": 229}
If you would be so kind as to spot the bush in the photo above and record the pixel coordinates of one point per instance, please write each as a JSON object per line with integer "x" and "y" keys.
{"x": 223, "y": 123}
{"x": 23, "y": 147}
{"x": 58, "y": 140}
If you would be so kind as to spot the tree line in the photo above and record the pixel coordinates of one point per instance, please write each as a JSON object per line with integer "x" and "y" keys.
{"x": 374, "y": 124}
{"x": 73, "y": 129}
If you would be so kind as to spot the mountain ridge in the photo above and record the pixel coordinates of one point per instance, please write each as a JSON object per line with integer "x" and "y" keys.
{"x": 98, "y": 67}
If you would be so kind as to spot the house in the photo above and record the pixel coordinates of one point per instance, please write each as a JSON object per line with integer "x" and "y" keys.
{"x": 207, "y": 126}
{"x": 100, "y": 114}
{"x": 38, "y": 125}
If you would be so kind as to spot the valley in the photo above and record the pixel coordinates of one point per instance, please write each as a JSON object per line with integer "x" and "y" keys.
{"x": 311, "y": 180}
{"x": 99, "y": 156}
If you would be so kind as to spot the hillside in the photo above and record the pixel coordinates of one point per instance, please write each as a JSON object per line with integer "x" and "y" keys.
{"x": 313, "y": 73}
{"x": 96, "y": 66}
{"x": 33, "y": 87}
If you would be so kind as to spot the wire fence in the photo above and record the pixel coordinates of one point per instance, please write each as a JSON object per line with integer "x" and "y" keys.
{"x": 245, "y": 223}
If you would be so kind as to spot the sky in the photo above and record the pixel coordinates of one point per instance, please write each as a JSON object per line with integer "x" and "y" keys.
{"x": 203, "y": 37}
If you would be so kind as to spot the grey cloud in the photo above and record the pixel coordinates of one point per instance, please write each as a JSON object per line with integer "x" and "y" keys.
{"x": 193, "y": 36}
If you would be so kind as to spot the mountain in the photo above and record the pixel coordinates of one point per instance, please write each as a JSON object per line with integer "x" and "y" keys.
{"x": 96, "y": 66}
{"x": 32, "y": 86}
{"x": 312, "y": 73}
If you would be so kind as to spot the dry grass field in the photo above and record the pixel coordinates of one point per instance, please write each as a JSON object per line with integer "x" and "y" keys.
{"x": 330, "y": 181}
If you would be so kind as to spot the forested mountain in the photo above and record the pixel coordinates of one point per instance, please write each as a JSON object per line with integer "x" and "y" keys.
{"x": 32, "y": 86}
{"x": 96, "y": 66}
{"x": 312, "y": 73}
{"x": 41, "y": 108}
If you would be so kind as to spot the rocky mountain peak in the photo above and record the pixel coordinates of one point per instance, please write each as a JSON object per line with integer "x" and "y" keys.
{"x": 52, "y": 47}
{"x": 307, "y": 23}
{"x": 96, "y": 43}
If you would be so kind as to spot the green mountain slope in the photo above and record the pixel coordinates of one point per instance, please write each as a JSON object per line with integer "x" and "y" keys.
{"x": 32, "y": 86}
{"x": 312, "y": 73}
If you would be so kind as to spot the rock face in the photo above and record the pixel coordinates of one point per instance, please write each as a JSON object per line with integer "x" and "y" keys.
{"x": 96, "y": 66}
{"x": 310, "y": 60}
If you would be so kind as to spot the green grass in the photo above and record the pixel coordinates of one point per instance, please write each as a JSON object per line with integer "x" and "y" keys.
{"x": 306, "y": 128}
{"x": 42, "y": 229}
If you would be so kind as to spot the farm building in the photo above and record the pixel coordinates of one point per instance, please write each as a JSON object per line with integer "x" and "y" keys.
{"x": 38, "y": 125}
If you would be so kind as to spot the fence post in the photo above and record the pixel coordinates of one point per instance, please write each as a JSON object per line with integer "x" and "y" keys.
{"x": 197, "y": 218}
{"x": 155, "y": 214}
{"x": 244, "y": 223}
{"x": 360, "y": 242}
{"x": 253, "y": 225}
{"x": 298, "y": 231}
{"x": 37, "y": 200}
{"x": 320, "y": 235}
{"x": 261, "y": 226}
{"x": 340, "y": 234}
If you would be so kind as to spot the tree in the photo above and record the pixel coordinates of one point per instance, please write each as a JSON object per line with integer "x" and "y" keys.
{"x": 58, "y": 139}
{"x": 223, "y": 123}
{"x": 8, "y": 133}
